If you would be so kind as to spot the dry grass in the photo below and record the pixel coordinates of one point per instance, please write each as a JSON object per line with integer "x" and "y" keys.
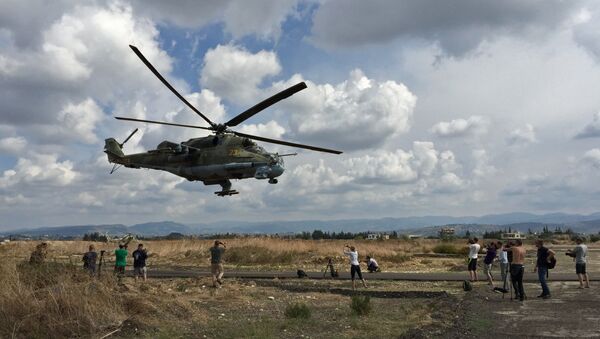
{"x": 56, "y": 301}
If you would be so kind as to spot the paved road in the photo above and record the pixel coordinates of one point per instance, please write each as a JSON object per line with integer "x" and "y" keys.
{"x": 444, "y": 276}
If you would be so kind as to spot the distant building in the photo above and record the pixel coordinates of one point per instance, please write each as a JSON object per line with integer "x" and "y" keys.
{"x": 513, "y": 236}
{"x": 375, "y": 236}
{"x": 415, "y": 236}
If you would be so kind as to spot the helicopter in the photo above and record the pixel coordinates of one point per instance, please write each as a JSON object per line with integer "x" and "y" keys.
{"x": 216, "y": 159}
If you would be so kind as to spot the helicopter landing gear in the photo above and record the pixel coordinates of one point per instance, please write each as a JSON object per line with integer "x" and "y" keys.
{"x": 273, "y": 181}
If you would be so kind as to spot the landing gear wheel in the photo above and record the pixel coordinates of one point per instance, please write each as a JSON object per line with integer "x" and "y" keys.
{"x": 273, "y": 181}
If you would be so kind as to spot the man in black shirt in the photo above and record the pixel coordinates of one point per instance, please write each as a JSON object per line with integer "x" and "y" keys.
{"x": 89, "y": 260}
{"x": 139, "y": 262}
{"x": 543, "y": 257}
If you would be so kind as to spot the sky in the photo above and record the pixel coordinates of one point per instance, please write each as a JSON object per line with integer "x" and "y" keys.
{"x": 466, "y": 107}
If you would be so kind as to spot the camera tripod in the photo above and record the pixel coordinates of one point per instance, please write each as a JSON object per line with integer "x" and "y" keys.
{"x": 331, "y": 268}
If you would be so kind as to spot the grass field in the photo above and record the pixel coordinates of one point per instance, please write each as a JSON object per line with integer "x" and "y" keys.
{"x": 58, "y": 300}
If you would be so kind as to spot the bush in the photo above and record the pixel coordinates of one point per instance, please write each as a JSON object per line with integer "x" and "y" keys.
{"x": 297, "y": 310}
{"x": 361, "y": 304}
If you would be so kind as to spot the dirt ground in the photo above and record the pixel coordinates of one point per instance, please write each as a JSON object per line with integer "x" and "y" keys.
{"x": 570, "y": 313}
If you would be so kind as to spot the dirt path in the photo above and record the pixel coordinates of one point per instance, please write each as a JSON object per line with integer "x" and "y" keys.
{"x": 442, "y": 276}
{"x": 570, "y": 312}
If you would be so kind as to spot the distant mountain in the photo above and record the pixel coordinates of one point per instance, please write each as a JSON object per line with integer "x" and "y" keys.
{"x": 159, "y": 228}
{"x": 426, "y": 225}
{"x": 70, "y": 231}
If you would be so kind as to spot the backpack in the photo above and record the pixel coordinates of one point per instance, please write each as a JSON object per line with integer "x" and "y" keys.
{"x": 467, "y": 286}
{"x": 552, "y": 262}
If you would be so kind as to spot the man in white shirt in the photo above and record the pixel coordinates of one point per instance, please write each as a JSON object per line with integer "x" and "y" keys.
{"x": 352, "y": 254}
{"x": 474, "y": 248}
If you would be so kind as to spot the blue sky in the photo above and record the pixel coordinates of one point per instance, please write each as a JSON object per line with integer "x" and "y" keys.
{"x": 461, "y": 108}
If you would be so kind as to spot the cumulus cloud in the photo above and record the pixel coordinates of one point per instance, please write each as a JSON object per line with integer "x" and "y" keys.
{"x": 460, "y": 127}
{"x": 12, "y": 145}
{"x": 482, "y": 168}
{"x": 401, "y": 166}
{"x": 458, "y": 26}
{"x": 262, "y": 18}
{"x": 235, "y": 73}
{"x": 592, "y": 130}
{"x": 358, "y": 113}
{"x": 521, "y": 136}
{"x": 43, "y": 169}
{"x": 269, "y": 130}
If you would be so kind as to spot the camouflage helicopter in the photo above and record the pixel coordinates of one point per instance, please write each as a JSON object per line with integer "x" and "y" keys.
{"x": 214, "y": 159}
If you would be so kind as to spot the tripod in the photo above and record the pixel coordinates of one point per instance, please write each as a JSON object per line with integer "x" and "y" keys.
{"x": 100, "y": 262}
{"x": 330, "y": 267}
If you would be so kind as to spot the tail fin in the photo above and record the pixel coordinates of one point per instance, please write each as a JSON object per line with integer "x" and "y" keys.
{"x": 113, "y": 149}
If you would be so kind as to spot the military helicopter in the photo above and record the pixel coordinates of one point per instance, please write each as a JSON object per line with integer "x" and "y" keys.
{"x": 214, "y": 159}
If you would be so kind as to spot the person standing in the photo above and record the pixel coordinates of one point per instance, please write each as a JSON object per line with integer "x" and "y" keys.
{"x": 517, "y": 268}
{"x": 488, "y": 261}
{"x": 580, "y": 255}
{"x": 544, "y": 255}
{"x": 216, "y": 263}
{"x": 503, "y": 260}
{"x": 352, "y": 254}
{"x": 120, "y": 259}
{"x": 474, "y": 248}
{"x": 139, "y": 262}
{"x": 89, "y": 260}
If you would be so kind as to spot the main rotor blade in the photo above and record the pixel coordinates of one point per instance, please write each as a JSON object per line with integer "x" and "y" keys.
{"x": 286, "y": 143}
{"x": 163, "y": 123}
{"x": 166, "y": 83}
{"x": 286, "y": 93}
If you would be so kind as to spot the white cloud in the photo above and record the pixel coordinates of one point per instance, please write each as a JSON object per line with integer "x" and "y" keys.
{"x": 79, "y": 121}
{"x": 460, "y": 127}
{"x": 235, "y": 73}
{"x": 400, "y": 166}
{"x": 448, "y": 183}
{"x": 88, "y": 199}
{"x": 39, "y": 169}
{"x": 592, "y": 157}
{"x": 520, "y": 136}
{"x": 269, "y": 130}
{"x": 12, "y": 145}
{"x": 482, "y": 168}
{"x": 358, "y": 113}
{"x": 592, "y": 130}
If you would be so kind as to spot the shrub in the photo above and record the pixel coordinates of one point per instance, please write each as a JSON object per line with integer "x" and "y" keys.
{"x": 297, "y": 310}
{"x": 361, "y": 304}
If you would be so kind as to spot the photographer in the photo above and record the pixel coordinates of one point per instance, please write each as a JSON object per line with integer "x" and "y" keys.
{"x": 352, "y": 254}
{"x": 474, "y": 248}
{"x": 216, "y": 265}
{"x": 579, "y": 253}
{"x": 544, "y": 255}
{"x": 503, "y": 260}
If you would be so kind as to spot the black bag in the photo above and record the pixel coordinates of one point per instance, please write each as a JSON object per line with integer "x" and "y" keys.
{"x": 301, "y": 274}
{"x": 467, "y": 286}
{"x": 552, "y": 262}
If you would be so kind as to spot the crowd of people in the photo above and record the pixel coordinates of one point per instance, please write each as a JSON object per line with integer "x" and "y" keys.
{"x": 511, "y": 259}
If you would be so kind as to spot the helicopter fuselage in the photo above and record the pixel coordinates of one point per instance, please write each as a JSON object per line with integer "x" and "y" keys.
{"x": 213, "y": 160}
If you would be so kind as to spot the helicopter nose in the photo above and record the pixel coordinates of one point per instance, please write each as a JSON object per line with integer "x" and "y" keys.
{"x": 276, "y": 170}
